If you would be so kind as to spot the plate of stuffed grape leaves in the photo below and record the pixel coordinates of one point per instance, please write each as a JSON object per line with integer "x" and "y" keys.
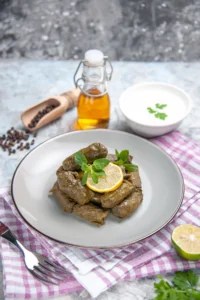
{"x": 97, "y": 188}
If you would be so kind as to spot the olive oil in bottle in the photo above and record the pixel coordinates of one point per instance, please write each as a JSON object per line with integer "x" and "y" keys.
{"x": 94, "y": 102}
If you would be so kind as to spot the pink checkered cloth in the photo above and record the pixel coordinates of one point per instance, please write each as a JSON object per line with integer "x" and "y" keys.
{"x": 153, "y": 256}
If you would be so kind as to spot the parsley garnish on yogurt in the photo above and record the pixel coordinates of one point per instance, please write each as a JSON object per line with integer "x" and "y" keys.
{"x": 157, "y": 111}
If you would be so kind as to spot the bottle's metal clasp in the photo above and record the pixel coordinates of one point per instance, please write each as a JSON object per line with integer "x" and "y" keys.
{"x": 76, "y": 80}
{"x": 109, "y": 72}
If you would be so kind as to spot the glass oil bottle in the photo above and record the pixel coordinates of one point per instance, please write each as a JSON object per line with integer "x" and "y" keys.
{"x": 94, "y": 102}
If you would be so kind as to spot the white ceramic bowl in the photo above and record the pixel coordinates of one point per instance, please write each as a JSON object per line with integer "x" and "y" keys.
{"x": 137, "y": 99}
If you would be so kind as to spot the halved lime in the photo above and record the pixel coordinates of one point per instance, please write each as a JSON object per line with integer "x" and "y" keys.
{"x": 186, "y": 240}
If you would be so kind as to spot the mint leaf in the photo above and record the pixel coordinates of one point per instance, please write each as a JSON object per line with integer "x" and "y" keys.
{"x": 95, "y": 170}
{"x": 94, "y": 177}
{"x": 80, "y": 158}
{"x": 160, "y": 106}
{"x": 131, "y": 167}
{"x": 119, "y": 162}
{"x": 123, "y": 155}
{"x": 161, "y": 116}
{"x": 84, "y": 178}
{"x": 116, "y": 153}
{"x": 100, "y": 163}
{"x": 85, "y": 167}
{"x": 151, "y": 110}
{"x": 100, "y": 173}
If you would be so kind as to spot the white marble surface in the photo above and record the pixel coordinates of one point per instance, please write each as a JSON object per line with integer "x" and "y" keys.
{"x": 23, "y": 83}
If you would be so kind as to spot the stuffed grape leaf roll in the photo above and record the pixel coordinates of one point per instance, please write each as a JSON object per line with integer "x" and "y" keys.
{"x": 112, "y": 199}
{"x": 134, "y": 178}
{"x": 92, "y": 152}
{"x": 70, "y": 183}
{"x": 65, "y": 202}
{"x": 96, "y": 199}
{"x": 91, "y": 213}
{"x": 129, "y": 205}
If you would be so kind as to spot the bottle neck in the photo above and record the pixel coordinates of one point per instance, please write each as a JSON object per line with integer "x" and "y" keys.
{"x": 93, "y": 77}
{"x": 94, "y": 80}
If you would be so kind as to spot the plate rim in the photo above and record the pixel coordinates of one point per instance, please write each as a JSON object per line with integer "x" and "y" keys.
{"x": 100, "y": 247}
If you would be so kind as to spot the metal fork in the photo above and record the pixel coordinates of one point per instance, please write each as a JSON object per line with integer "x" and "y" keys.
{"x": 37, "y": 264}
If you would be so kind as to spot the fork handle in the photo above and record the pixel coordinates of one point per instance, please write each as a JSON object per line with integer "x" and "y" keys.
{"x": 3, "y": 228}
{"x": 8, "y": 235}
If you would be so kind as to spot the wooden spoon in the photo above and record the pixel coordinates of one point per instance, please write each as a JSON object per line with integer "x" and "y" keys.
{"x": 63, "y": 102}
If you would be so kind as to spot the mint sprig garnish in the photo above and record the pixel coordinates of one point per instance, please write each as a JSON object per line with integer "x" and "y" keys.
{"x": 94, "y": 170}
{"x": 80, "y": 158}
{"x": 122, "y": 159}
{"x": 156, "y": 112}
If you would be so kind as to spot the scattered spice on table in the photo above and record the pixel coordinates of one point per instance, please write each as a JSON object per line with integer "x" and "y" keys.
{"x": 17, "y": 140}
{"x": 41, "y": 114}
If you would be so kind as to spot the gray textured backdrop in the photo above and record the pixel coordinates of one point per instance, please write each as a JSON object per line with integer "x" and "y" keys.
{"x": 147, "y": 30}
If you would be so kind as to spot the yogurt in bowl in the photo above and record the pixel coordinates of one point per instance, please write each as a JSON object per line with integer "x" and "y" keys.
{"x": 153, "y": 109}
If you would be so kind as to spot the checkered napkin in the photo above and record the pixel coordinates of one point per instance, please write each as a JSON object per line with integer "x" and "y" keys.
{"x": 97, "y": 270}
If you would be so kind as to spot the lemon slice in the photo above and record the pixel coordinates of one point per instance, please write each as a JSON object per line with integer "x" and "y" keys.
{"x": 108, "y": 183}
{"x": 186, "y": 240}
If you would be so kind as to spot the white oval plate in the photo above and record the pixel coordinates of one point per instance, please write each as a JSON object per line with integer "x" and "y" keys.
{"x": 162, "y": 185}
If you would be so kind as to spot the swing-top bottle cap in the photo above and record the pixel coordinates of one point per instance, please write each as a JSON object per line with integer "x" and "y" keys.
{"x": 94, "y": 58}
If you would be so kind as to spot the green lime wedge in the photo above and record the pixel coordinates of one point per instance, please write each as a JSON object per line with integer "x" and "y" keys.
{"x": 186, "y": 241}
